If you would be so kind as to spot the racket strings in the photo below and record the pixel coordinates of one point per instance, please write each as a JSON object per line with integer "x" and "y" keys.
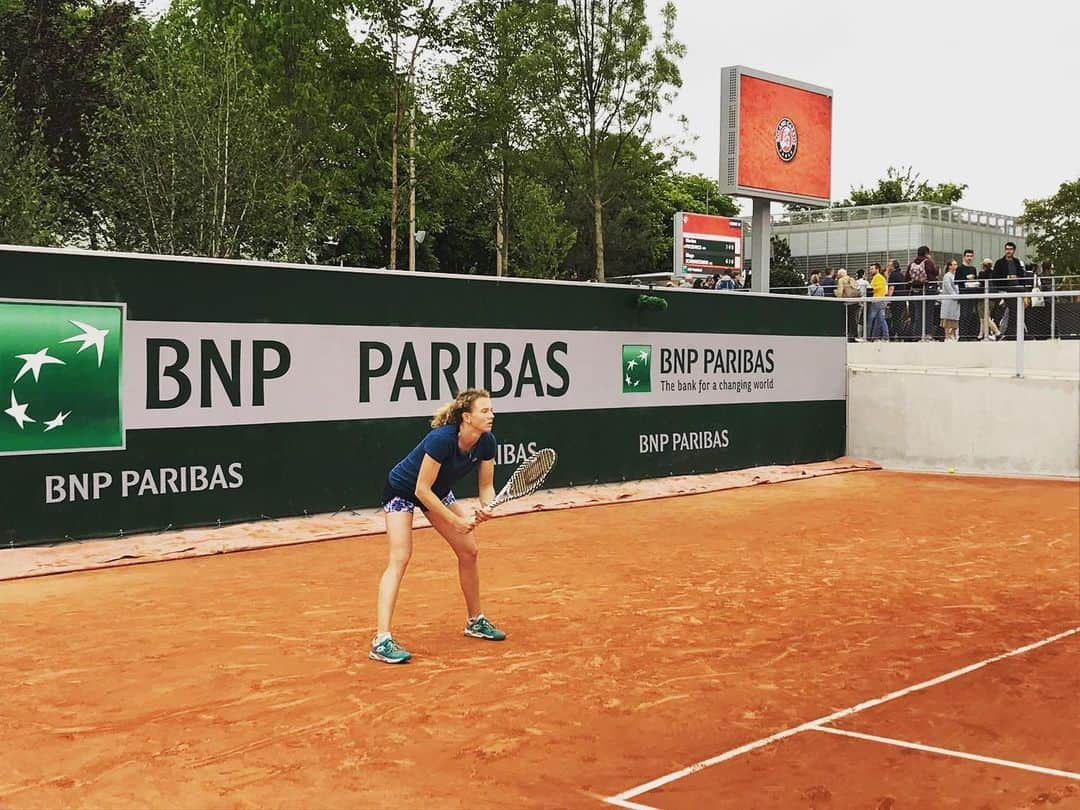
{"x": 528, "y": 477}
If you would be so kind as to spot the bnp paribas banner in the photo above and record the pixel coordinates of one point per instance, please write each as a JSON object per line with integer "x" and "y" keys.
{"x": 196, "y": 374}
{"x": 113, "y": 423}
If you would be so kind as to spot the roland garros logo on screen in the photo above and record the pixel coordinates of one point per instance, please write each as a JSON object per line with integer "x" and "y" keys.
{"x": 787, "y": 140}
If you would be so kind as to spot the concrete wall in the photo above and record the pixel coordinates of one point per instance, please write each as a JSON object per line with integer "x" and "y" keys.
{"x": 938, "y": 406}
{"x": 1055, "y": 356}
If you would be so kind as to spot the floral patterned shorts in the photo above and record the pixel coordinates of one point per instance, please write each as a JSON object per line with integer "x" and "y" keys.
{"x": 399, "y": 504}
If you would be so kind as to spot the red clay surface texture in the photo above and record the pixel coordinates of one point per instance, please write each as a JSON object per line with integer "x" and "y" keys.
{"x": 643, "y": 637}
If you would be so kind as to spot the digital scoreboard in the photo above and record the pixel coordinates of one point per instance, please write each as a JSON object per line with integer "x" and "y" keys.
{"x": 707, "y": 244}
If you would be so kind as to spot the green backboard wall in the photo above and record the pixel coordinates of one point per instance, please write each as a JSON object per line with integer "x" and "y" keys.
{"x": 142, "y": 392}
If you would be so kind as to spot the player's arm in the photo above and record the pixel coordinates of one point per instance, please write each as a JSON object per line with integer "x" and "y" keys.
{"x": 487, "y": 487}
{"x": 429, "y": 471}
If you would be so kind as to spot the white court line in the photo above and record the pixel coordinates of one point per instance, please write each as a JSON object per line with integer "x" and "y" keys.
{"x": 628, "y": 805}
{"x": 1008, "y": 763}
{"x": 621, "y": 798}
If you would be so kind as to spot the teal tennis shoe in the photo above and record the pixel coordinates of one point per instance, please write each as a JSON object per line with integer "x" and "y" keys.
{"x": 480, "y": 627}
{"x": 387, "y": 650}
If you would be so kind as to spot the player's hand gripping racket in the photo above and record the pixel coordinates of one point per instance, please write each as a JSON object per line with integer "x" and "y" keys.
{"x": 527, "y": 478}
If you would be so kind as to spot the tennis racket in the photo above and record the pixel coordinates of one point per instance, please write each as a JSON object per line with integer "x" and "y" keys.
{"x": 527, "y": 478}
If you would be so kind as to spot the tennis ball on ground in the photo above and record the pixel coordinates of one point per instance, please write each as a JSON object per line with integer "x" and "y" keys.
{"x": 952, "y": 470}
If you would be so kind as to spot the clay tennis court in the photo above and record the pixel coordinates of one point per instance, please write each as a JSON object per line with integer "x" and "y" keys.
{"x": 645, "y": 639}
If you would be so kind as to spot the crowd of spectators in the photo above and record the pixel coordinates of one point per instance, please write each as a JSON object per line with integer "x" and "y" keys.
{"x": 871, "y": 315}
{"x": 733, "y": 279}
{"x": 949, "y": 317}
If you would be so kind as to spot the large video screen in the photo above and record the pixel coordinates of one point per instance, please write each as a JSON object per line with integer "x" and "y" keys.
{"x": 776, "y": 139}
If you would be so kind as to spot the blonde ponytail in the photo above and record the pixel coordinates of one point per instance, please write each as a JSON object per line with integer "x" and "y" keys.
{"x": 450, "y": 413}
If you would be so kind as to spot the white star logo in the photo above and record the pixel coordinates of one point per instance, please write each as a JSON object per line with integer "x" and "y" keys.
{"x": 34, "y": 362}
{"x": 18, "y": 412}
{"x": 89, "y": 337}
{"x": 627, "y": 380}
{"x": 643, "y": 356}
{"x": 58, "y": 421}
{"x": 630, "y": 365}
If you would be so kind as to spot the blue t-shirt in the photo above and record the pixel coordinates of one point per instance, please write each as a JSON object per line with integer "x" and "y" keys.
{"x": 442, "y": 445}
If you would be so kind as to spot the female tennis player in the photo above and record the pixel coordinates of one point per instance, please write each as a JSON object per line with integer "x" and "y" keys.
{"x": 461, "y": 441}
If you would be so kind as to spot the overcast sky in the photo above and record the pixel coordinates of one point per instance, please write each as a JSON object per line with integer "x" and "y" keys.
{"x": 985, "y": 93}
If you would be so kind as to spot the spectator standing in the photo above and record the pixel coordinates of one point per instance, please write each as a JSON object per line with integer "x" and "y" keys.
{"x": 898, "y": 310}
{"x": 879, "y": 327}
{"x": 968, "y": 284}
{"x": 863, "y": 287}
{"x": 921, "y": 273}
{"x": 815, "y": 289}
{"x": 862, "y": 283}
{"x": 726, "y": 282}
{"x": 950, "y": 307}
{"x": 828, "y": 283}
{"x": 1008, "y": 270}
{"x": 845, "y": 288}
{"x": 988, "y": 328}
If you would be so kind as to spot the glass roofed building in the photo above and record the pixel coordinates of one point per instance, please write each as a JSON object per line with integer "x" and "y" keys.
{"x": 854, "y": 237}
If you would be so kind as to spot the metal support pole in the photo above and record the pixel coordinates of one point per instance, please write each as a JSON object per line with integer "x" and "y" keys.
{"x": 1053, "y": 310}
{"x": 1019, "y": 337}
{"x": 760, "y": 245}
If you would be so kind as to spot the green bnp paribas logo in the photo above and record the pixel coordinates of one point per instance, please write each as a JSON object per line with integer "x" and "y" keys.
{"x": 60, "y": 377}
{"x": 636, "y": 369}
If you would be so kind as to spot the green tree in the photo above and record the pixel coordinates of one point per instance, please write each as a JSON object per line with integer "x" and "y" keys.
{"x": 330, "y": 95}
{"x": 465, "y": 208}
{"x": 488, "y": 93}
{"x": 698, "y": 194}
{"x": 783, "y": 276}
{"x": 192, "y": 157}
{"x": 904, "y": 185}
{"x": 1054, "y": 227}
{"x": 29, "y": 211}
{"x": 56, "y": 55}
{"x": 641, "y": 231}
{"x": 405, "y": 30}
{"x": 609, "y": 81}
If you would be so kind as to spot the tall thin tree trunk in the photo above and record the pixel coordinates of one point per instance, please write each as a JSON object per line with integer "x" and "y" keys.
{"x": 499, "y": 270}
{"x": 412, "y": 179}
{"x": 393, "y": 177}
{"x": 598, "y": 217}
{"x": 504, "y": 209}
{"x": 219, "y": 237}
